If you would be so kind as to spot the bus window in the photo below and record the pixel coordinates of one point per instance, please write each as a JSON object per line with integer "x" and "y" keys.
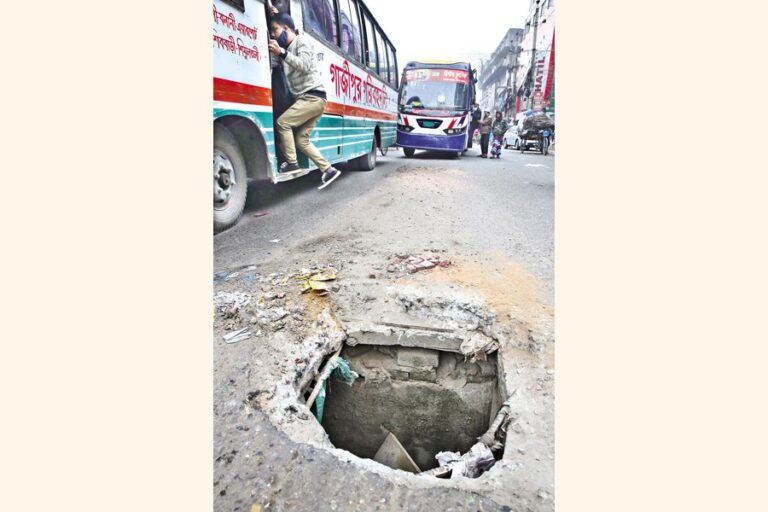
{"x": 390, "y": 65}
{"x": 383, "y": 66}
{"x": 321, "y": 18}
{"x": 393, "y": 71}
{"x": 351, "y": 42}
{"x": 237, "y": 4}
{"x": 282, "y": 6}
{"x": 371, "y": 57}
{"x": 385, "y": 73}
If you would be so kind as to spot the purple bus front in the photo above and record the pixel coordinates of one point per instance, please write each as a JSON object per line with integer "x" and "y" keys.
{"x": 433, "y": 109}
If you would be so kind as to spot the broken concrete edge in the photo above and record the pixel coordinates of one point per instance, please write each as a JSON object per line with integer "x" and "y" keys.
{"x": 522, "y": 418}
{"x": 331, "y": 335}
{"x": 285, "y": 407}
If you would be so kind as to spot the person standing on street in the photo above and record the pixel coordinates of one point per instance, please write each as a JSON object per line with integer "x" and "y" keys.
{"x": 498, "y": 129}
{"x": 485, "y": 134}
{"x": 476, "y": 114}
{"x": 305, "y": 84}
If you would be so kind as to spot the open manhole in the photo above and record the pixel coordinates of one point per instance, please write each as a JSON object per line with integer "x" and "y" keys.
{"x": 431, "y": 401}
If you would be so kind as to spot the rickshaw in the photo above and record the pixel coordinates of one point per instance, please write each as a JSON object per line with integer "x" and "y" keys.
{"x": 536, "y": 132}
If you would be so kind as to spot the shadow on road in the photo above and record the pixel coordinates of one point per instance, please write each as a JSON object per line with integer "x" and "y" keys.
{"x": 263, "y": 194}
{"x": 429, "y": 155}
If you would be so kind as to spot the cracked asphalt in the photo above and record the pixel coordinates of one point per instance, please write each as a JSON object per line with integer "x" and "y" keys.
{"x": 472, "y": 206}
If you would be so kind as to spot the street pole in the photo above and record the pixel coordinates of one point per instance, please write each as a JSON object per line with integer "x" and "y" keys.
{"x": 512, "y": 79}
{"x": 533, "y": 54}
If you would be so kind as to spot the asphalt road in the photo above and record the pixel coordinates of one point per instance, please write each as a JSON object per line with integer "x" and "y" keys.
{"x": 469, "y": 206}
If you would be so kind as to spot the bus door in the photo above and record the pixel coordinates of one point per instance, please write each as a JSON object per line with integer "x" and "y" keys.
{"x": 281, "y": 96}
{"x": 353, "y": 18}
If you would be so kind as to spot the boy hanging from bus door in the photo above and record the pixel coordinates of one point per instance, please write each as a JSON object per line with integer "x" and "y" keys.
{"x": 281, "y": 96}
{"x": 305, "y": 84}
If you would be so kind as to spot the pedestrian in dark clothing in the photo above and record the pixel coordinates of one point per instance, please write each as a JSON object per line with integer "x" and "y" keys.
{"x": 476, "y": 114}
{"x": 485, "y": 134}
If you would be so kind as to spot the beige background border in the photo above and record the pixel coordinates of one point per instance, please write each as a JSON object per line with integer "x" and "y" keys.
{"x": 660, "y": 301}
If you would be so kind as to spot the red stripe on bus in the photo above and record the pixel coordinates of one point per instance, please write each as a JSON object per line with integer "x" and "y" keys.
{"x": 238, "y": 92}
{"x": 336, "y": 109}
{"x": 366, "y": 112}
{"x": 453, "y": 122}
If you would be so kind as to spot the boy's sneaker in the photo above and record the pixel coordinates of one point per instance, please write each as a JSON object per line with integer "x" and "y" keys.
{"x": 328, "y": 176}
{"x": 286, "y": 167}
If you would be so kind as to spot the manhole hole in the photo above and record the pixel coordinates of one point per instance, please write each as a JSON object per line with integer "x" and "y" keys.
{"x": 431, "y": 401}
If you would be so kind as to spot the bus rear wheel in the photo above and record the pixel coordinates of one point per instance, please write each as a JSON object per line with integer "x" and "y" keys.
{"x": 230, "y": 180}
{"x": 409, "y": 152}
{"x": 366, "y": 162}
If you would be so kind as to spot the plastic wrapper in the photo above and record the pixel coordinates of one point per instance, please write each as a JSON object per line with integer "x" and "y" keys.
{"x": 342, "y": 372}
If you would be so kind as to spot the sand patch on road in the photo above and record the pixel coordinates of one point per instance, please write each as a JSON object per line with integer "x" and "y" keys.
{"x": 507, "y": 287}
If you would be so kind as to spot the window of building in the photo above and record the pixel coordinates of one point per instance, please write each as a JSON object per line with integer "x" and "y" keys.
{"x": 351, "y": 38}
{"x": 320, "y": 18}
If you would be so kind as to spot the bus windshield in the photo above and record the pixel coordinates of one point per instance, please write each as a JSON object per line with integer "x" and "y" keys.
{"x": 434, "y": 89}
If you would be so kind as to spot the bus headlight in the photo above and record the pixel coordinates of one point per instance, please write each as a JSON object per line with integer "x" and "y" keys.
{"x": 404, "y": 128}
{"x": 454, "y": 131}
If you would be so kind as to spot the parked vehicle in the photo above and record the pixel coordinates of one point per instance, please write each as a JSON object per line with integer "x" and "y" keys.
{"x": 535, "y": 131}
{"x": 511, "y": 138}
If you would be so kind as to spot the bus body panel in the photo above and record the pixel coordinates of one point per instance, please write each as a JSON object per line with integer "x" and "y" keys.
{"x": 358, "y": 101}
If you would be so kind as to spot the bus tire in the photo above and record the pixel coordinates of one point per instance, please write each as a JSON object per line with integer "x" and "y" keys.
{"x": 366, "y": 162}
{"x": 230, "y": 179}
{"x": 409, "y": 152}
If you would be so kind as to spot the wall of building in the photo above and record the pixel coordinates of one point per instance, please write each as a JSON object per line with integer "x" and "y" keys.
{"x": 535, "y": 73}
{"x": 497, "y": 79}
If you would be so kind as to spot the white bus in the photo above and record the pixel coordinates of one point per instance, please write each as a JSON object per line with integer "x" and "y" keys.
{"x": 359, "y": 68}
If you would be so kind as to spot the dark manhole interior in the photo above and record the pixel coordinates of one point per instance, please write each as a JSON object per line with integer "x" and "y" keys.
{"x": 431, "y": 400}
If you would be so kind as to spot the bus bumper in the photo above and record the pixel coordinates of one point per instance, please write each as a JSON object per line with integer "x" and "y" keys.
{"x": 452, "y": 143}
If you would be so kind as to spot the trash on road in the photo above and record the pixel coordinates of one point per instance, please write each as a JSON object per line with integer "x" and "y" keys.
{"x": 316, "y": 281}
{"x": 229, "y": 304}
{"x": 260, "y": 214}
{"x": 239, "y": 335}
{"x": 474, "y": 463}
{"x": 275, "y": 241}
{"x": 412, "y": 264}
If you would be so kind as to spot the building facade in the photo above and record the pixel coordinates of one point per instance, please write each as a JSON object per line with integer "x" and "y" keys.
{"x": 497, "y": 74}
{"x": 535, "y": 74}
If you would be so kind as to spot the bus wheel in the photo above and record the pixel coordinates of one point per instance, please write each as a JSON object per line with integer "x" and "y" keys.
{"x": 409, "y": 152}
{"x": 230, "y": 180}
{"x": 366, "y": 162}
